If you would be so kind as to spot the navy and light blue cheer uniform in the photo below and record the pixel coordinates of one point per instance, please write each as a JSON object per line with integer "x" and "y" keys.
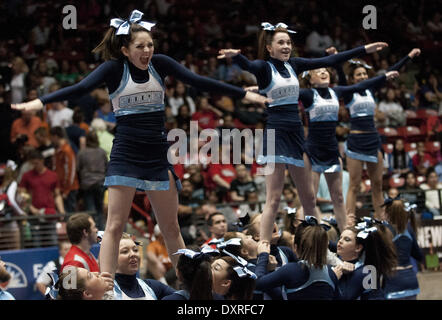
{"x": 278, "y": 81}
{"x": 184, "y": 295}
{"x": 351, "y": 285}
{"x": 322, "y": 109}
{"x": 361, "y": 106}
{"x": 129, "y": 287}
{"x": 404, "y": 283}
{"x": 298, "y": 280}
{"x": 139, "y": 152}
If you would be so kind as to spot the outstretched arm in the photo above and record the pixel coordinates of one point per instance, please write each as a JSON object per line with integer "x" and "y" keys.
{"x": 172, "y": 67}
{"x": 366, "y": 84}
{"x": 302, "y": 64}
{"x": 413, "y": 53}
{"x": 93, "y": 80}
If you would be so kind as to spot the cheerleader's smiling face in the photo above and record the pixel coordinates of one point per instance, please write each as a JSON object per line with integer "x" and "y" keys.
{"x": 347, "y": 248}
{"x": 128, "y": 257}
{"x": 319, "y": 78}
{"x": 140, "y": 50}
{"x": 360, "y": 74}
{"x": 281, "y": 46}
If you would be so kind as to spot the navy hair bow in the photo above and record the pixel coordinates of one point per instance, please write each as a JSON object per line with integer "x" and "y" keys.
{"x": 270, "y": 27}
{"x": 123, "y": 26}
{"x": 366, "y": 66}
{"x": 196, "y": 254}
{"x": 312, "y": 221}
{"x": 231, "y": 242}
{"x": 52, "y": 291}
{"x": 388, "y": 201}
{"x": 241, "y": 270}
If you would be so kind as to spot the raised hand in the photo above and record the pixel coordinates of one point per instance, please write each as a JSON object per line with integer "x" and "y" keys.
{"x": 263, "y": 246}
{"x": 414, "y": 53}
{"x": 35, "y": 104}
{"x": 375, "y": 46}
{"x": 331, "y": 50}
{"x": 392, "y": 75}
{"x": 228, "y": 53}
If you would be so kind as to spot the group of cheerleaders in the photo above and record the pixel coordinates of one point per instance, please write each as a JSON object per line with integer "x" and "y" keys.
{"x": 135, "y": 76}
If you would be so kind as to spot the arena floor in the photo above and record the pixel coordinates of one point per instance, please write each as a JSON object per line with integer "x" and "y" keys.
{"x": 430, "y": 283}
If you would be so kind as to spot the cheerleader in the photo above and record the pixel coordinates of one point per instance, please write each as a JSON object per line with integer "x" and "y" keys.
{"x": 195, "y": 274}
{"x": 367, "y": 244}
{"x": 135, "y": 79}
{"x": 127, "y": 286}
{"x": 363, "y": 144}
{"x": 308, "y": 279}
{"x": 321, "y": 104}
{"x": 404, "y": 284}
{"x": 277, "y": 79}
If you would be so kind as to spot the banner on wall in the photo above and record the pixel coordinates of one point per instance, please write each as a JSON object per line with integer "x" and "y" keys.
{"x": 25, "y": 266}
{"x": 429, "y": 237}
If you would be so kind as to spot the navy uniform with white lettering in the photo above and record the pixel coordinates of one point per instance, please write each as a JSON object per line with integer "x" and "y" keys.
{"x": 322, "y": 108}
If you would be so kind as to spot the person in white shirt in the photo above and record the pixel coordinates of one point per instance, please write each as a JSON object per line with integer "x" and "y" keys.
{"x": 60, "y": 115}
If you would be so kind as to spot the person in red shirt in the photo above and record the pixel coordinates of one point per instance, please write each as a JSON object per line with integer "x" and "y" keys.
{"x": 422, "y": 160}
{"x": 43, "y": 186}
{"x": 207, "y": 115}
{"x": 82, "y": 233}
{"x": 66, "y": 168}
{"x": 26, "y": 126}
{"x": 217, "y": 226}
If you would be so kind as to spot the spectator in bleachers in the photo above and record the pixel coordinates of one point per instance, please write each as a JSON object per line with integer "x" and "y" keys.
{"x": 217, "y": 224}
{"x": 242, "y": 184}
{"x": 392, "y": 109}
{"x": 158, "y": 248}
{"x": 42, "y": 33}
{"x": 433, "y": 192}
{"x": 66, "y": 168}
{"x": 60, "y": 115}
{"x": 10, "y": 231}
{"x": 179, "y": 98}
{"x": 183, "y": 118}
{"x": 66, "y": 76}
{"x": 24, "y": 128}
{"x": 431, "y": 93}
{"x": 422, "y": 160}
{"x": 399, "y": 162}
{"x": 18, "y": 80}
{"x": 410, "y": 190}
{"x": 82, "y": 233}
{"x": 91, "y": 165}
{"x": 76, "y": 134}
{"x": 45, "y": 146}
{"x": 206, "y": 114}
{"x": 43, "y": 186}
{"x": 105, "y": 138}
{"x": 105, "y": 113}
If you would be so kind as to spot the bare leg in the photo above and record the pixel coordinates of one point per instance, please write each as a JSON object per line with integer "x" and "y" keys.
{"x": 120, "y": 201}
{"x": 304, "y": 184}
{"x": 375, "y": 172}
{"x": 334, "y": 182}
{"x": 274, "y": 186}
{"x": 165, "y": 205}
{"x": 355, "y": 171}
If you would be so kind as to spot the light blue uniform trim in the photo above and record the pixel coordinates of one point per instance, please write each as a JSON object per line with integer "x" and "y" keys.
{"x": 136, "y": 183}
{"x": 118, "y": 293}
{"x": 183, "y": 293}
{"x": 123, "y": 82}
{"x": 359, "y": 156}
{"x": 326, "y": 169}
{"x": 290, "y": 99}
{"x": 406, "y": 234}
{"x": 4, "y": 295}
{"x": 156, "y": 75}
{"x": 318, "y": 112}
{"x": 280, "y": 159}
{"x": 316, "y": 275}
{"x": 139, "y": 109}
{"x": 403, "y": 294}
{"x": 368, "y": 105}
